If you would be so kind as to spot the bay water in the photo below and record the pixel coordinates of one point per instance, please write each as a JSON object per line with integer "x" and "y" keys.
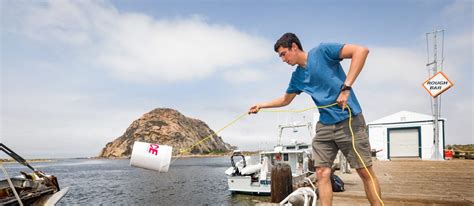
{"x": 189, "y": 181}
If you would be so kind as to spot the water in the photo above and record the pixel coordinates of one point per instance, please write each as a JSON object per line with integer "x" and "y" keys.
{"x": 189, "y": 181}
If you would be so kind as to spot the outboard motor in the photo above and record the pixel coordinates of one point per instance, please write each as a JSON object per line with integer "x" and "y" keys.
{"x": 237, "y": 154}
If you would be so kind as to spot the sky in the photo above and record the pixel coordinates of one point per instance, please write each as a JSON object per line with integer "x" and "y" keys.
{"x": 76, "y": 74}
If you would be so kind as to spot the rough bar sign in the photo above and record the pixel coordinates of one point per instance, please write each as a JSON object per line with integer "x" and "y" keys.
{"x": 437, "y": 84}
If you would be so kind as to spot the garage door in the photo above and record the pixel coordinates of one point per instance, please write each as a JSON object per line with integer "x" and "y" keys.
{"x": 404, "y": 142}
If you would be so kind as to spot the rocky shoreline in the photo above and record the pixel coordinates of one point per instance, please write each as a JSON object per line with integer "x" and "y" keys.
{"x": 166, "y": 126}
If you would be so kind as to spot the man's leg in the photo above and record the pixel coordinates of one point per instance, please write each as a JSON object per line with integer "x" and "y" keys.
{"x": 362, "y": 144}
{"x": 324, "y": 151}
{"x": 324, "y": 185}
{"x": 369, "y": 187}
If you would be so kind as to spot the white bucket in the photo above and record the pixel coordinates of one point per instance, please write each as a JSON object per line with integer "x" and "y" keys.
{"x": 151, "y": 156}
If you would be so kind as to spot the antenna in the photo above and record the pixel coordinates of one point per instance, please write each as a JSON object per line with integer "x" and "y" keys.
{"x": 433, "y": 67}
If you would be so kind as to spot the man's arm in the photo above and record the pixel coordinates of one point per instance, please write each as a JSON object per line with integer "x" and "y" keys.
{"x": 358, "y": 54}
{"x": 282, "y": 101}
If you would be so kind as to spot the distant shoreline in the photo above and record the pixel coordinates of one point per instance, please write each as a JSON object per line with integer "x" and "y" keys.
{"x": 6, "y": 161}
{"x": 250, "y": 153}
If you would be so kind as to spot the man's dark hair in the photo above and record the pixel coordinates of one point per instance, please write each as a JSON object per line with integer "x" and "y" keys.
{"x": 286, "y": 41}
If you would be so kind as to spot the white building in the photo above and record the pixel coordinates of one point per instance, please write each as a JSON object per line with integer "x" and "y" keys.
{"x": 406, "y": 135}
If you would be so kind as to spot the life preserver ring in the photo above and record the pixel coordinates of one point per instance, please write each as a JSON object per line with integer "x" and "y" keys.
{"x": 277, "y": 157}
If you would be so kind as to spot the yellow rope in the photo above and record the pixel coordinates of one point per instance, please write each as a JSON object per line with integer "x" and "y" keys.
{"x": 215, "y": 133}
{"x": 353, "y": 138}
{"x": 360, "y": 158}
{"x": 297, "y": 111}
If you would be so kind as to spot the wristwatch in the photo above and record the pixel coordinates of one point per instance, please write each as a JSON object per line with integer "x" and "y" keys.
{"x": 344, "y": 87}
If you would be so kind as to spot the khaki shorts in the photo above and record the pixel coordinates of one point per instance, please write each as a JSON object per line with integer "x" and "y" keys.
{"x": 331, "y": 138}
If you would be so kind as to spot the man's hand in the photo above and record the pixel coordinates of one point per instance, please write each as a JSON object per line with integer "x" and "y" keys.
{"x": 278, "y": 102}
{"x": 254, "y": 109}
{"x": 342, "y": 99}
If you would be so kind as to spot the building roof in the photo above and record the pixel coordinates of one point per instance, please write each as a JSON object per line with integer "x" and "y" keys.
{"x": 404, "y": 116}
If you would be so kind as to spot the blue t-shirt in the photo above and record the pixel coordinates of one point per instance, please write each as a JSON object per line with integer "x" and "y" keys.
{"x": 322, "y": 79}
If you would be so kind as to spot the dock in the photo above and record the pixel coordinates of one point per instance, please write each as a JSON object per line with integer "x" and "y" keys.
{"x": 413, "y": 182}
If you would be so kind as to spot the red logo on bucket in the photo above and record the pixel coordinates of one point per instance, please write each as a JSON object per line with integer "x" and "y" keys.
{"x": 153, "y": 149}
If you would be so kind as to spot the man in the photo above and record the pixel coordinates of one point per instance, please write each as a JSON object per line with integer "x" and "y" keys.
{"x": 320, "y": 74}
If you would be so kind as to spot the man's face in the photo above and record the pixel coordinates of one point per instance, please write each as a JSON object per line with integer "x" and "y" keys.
{"x": 287, "y": 55}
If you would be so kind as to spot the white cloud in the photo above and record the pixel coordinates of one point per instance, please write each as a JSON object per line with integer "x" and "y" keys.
{"x": 137, "y": 47}
{"x": 43, "y": 124}
{"x": 243, "y": 75}
{"x": 391, "y": 81}
{"x": 387, "y": 67}
{"x": 177, "y": 50}
{"x": 458, "y": 53}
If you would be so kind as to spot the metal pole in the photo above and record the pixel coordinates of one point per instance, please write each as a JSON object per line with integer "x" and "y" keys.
{"x": 280, "y": 134}
{"x": 436, "y": 154}
{"x": 436, "y": 129}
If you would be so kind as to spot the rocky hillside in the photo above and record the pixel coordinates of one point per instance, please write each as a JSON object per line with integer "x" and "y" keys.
{"x": 166, "y": 127}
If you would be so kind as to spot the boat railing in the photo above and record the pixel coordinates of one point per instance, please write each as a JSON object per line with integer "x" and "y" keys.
{"x": 11, "y": 184}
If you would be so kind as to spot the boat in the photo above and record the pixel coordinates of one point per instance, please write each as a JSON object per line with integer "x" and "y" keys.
{"x": 252, "y": 174}
{"x": 35, "y": 188}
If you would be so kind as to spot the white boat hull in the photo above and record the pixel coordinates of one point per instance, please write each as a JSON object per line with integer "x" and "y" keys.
{"x": 253, "y": 174}
{"x": 51, "y": 200}
{"x": 244, "y": 184}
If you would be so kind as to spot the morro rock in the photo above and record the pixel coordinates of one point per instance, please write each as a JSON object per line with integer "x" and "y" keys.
{"x": 166, "y": 127}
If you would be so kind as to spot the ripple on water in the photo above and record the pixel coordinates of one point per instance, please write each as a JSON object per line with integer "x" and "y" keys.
{"x": 189, "y": 181}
